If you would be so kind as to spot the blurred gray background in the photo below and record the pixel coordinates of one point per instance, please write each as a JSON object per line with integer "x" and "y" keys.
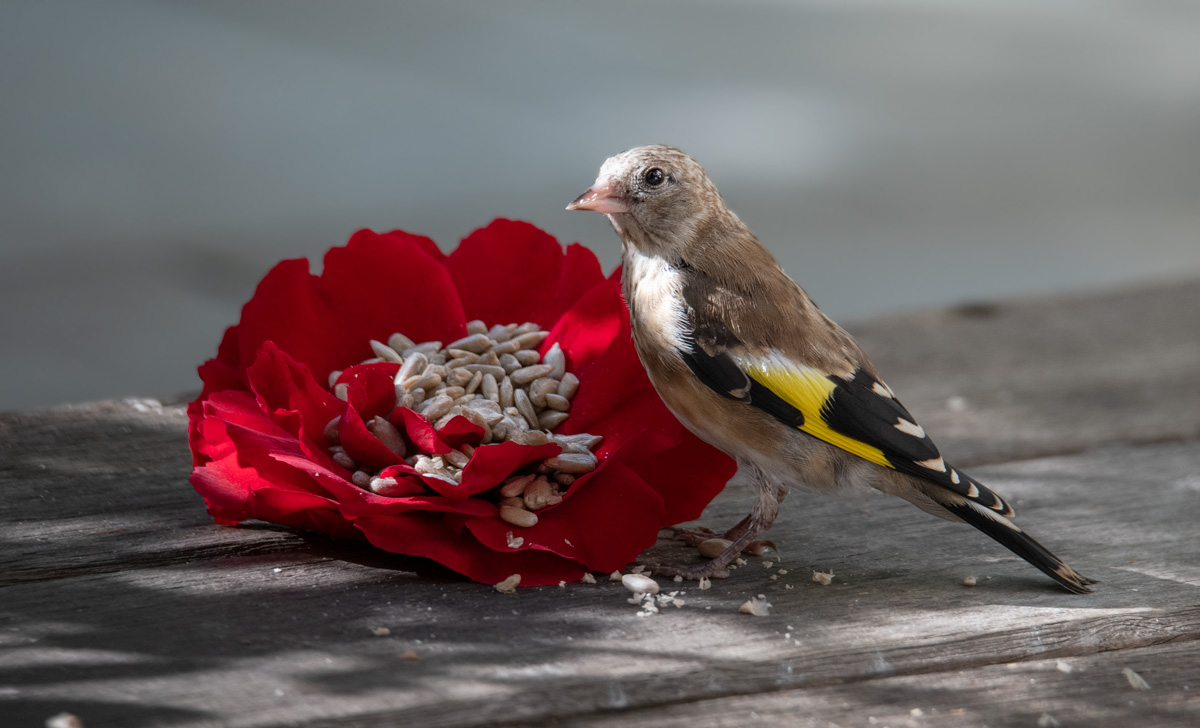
{"x": 159, "y": 157}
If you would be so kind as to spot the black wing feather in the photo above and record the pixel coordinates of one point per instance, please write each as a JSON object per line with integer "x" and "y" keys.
{"x": 720, "y": 373}
{"x": 856, "y": 410}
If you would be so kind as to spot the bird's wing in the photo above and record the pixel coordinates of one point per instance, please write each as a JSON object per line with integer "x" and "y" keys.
{"x": 855, "y": 412}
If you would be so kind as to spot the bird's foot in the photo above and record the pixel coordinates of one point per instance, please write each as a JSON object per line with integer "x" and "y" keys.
{"x": 696, "y": 536}
{"x": 692, "y": 536}
{"x": 665, "y": 566}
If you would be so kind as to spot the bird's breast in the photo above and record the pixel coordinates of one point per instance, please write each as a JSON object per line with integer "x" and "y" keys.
{"x": 654, "y": 292}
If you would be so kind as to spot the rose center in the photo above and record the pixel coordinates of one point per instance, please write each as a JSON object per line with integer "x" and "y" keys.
{"x": 496, "y": 379}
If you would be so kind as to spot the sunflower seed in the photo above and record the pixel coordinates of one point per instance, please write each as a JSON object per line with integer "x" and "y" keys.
{"x": 574, "y": 463}
{"x": 510, "y": 363}
{"x": 568, "y": 386}
{"x": 587, "y": 440}
{"x": 347, "y": 462}
{"x": 558, "y": 402}
{"x": 564, "y": 479}
{"x": 486, "y": 407}
{"x": 333, "y": 377}
{"x": 372, "y": 360}
{"x": 425, "y": 381}
{"x": 525, "y": 407}
{"x": 495, "y": 371}
{"x": 385, "y": 352}
{"x": 557, "y": 360}
{"x": 539, "y": 388}
{"x": 475, "y": 417}
{"x": 506, "y": 347}
{"x": 518, "y": 517}
{"x": 491, "y": 390}
{"x": 639, "y": 584}
{"x": 331, "y": 430}
{"x": 528, "y": 357}
{"x": 534, "y": 437}
{"x": 456, "y": 458}
{"x": 434, "y": 409}
{"x": 342, "y": 391}
{"x": 462, "y": 354}
{"x": 413, "y": 365}
{"x": 511, "y": 502}
{"x": 516, "y": 485}
{"x": 361, "y": 478}
{"x": 506, "y": 391}
{"x": 461, "y": 362}
{"x": 428, "y": 348}
{"x": 540, "y": 494}
{"x": 418, "y": 395}
{"x": 453, "y": 392}
{"x": 501, "y": 332}
{"x": 400, "y": 342}
{"x": 387, "y": 433}
{"x": 531, "y": 339}
{"x": 476, "y": 327}
{"x": 713, "y": 547}
{"x": 434, "y": 368}
{"x": 550, "y": 419}
{"x": 385, "y": 486}
{"x": 475, "y": 343}
{"x": 458, "y": 377}
{"x": 490, "y": 358}
{"x": 525, "y": 375}
{"x": 475, "y": 382}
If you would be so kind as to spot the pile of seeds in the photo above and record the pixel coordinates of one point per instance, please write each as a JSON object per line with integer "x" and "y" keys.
{"x": 496, "y": 379}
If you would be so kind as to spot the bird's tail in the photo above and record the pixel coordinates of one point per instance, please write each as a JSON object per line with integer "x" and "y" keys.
{"x": 1020, "y": 543}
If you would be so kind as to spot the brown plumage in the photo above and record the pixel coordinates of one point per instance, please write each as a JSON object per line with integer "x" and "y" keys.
{"x": 747, "y": 361}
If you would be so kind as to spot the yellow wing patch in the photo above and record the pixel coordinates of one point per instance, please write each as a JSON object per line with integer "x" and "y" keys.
{"x": 808, "y": 390}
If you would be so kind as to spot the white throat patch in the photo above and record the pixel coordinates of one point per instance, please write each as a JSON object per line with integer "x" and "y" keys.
{"x": 655, "y": 296}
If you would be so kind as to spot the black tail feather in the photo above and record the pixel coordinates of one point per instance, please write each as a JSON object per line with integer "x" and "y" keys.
{"x": 1025, "y": 546}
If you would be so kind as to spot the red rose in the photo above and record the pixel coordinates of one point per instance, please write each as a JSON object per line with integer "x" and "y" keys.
{"x": 264, "y": 446}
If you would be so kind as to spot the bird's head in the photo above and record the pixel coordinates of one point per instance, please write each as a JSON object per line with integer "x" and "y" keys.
{"x": 655, "y": 196}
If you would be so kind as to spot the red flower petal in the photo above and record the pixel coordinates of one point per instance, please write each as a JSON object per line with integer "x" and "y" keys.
{"x": 373, "y": 287}
{"x": 512, "y": 272}
{"x": 491, "y": 464}
{"x": 425, "y": 534}
{"x": 282, "y": 383}
{"x": 623, "y": 516}
{"x": 419, "y": 431}
{"x": 460, "y": 431}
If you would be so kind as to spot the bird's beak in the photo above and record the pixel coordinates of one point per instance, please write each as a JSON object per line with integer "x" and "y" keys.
{"x": 602, "y": 197}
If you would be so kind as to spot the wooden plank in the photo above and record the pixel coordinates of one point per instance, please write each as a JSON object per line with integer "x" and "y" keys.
{"x": 102, "y": 487}
{"x": 273, "y": 639}
{"x": 1083, "y": 691}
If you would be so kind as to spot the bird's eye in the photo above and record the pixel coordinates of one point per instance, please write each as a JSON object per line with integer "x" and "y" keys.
{"x": 654, "y": 177}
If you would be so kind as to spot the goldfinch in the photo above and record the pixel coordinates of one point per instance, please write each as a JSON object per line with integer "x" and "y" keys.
{"x": 746, "y": 360}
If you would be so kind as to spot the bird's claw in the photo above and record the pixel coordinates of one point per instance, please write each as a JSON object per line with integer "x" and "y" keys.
{"x": 692, "y": 536}
{"x": 688, "y": 572}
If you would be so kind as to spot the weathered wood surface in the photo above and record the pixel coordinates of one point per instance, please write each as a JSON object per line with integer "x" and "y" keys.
{"x": 122, "y": 603}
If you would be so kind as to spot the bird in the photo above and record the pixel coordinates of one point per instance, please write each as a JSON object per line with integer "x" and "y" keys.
{"x": 745, "y": 359}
